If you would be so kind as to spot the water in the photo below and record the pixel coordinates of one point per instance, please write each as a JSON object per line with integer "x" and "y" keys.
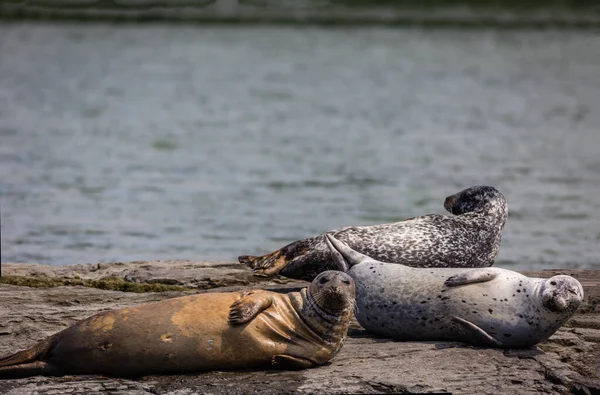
{"x": 152, "y": 142}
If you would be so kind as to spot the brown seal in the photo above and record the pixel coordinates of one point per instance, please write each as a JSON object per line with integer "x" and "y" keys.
{"x": 200, "y": 332}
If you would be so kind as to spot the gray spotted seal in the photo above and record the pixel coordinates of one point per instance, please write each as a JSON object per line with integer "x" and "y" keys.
{"x": 483, "y": 306}
{"x": 469, "y": 238}
{"x": 200, "y": 332}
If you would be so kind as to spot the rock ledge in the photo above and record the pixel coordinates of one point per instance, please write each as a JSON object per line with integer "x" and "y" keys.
{"x": 57, "y": 296}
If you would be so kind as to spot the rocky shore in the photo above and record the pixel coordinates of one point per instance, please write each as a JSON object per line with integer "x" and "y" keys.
{"x": 39, "y": 300}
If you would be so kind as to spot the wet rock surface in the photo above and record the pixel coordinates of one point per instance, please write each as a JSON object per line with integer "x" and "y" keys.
{"x": 569, "y": 362}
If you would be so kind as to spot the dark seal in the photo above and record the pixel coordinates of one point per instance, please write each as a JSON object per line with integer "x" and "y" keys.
{"x": 469, "y": 238}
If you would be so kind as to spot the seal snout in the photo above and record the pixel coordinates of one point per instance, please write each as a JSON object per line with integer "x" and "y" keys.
{"x": 450, "y": 202}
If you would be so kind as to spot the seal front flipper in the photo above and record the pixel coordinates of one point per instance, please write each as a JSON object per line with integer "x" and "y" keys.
{"x": 248, "y": 306}
{"x": 475, "y": 334}
{"x": 290, "y": 363}
{"x": 472, "y": 276}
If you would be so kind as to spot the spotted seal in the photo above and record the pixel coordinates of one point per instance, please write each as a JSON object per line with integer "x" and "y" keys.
{"x": 470, "y": 238}
{"x": 200, "y": 332}
{"x": 483, "y": 306}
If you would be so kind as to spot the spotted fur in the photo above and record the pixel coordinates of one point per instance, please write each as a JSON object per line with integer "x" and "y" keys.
{"x": 483, "y": 306}
{"x": 469, "y": 238}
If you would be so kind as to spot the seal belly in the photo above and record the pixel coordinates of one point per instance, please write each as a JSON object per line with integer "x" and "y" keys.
{"x": 281, "y": 330}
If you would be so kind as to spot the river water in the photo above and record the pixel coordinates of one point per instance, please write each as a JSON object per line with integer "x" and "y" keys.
{"x": 125, "y": 142}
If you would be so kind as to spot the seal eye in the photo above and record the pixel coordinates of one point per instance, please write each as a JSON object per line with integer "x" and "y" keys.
{"x": 346, "y": 282}
{"x": 323, "y": 280}
{"x": 552, "y": 282}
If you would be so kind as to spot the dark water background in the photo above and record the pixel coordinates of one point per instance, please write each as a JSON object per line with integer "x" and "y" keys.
{"x": 155, "y": 141}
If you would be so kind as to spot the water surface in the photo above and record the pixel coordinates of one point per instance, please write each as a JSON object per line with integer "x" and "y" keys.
{"x": 151, "y": 142}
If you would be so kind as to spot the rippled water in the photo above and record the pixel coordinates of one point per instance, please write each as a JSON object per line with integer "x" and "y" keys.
{"x": 153, "y": 142}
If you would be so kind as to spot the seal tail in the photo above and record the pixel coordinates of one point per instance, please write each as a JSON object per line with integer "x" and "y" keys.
{"x": 344, "y": 256}
{"x": 26, "y": 363}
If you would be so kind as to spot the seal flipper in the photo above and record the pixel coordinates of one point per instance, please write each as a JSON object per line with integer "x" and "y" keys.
{"x": 291, "y": 363}
{"x": 30, "y": 362}
{"x": 337, "y": 256}
{"x": 351, "y": 256}
{"x": 267, "y": 265}
{"x": 480, "y": 275}
{"x": 476, "y": 335}
{"x": 248, "y": 306}
{"x": 37, "y": 368}
{"x": 247, "y": 259}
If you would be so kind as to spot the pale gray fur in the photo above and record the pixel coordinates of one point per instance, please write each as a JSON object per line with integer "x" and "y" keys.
{"x": 485, "y": 306}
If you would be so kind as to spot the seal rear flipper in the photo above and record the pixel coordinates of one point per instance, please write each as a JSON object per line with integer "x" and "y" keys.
{"x": 37, "y": 368}
{"x": 349, "y": 255}
{"x": 247, "y": 259}
{"x": 248, "y": 306}
{"x": 475, "y": 334}
{"x": 267, "y": 265}
{"x": 290, "y": 363}
{"x": 32, "y": 354}
{"x": 337, "y": 256}
{"x": 472, "y": 276}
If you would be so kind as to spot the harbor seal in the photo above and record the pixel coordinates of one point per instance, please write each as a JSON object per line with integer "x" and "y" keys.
{"x": 469, "y": 238}
{"x": 483, "y": 306}
{"x": 200, "y": 332}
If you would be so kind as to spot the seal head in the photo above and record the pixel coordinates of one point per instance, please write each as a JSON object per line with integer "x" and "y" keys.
{"x": 477, "y": 199}
{"x": 561, "y": 294}
{"x": 332, "y": 291}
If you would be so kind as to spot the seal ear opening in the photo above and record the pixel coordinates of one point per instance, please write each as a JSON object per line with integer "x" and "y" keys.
{"x": 342, "y": 254}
